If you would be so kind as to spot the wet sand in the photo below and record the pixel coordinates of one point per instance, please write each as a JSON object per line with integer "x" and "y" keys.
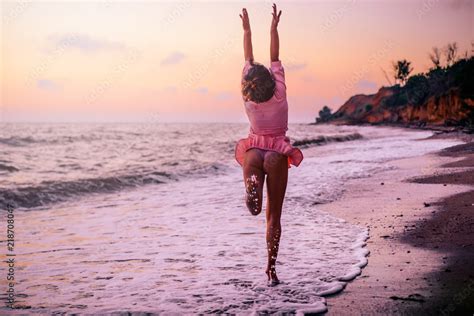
{"x": 421, "y": 222}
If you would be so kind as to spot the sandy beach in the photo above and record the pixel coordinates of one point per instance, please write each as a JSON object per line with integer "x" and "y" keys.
{"x": 420, "y": 218}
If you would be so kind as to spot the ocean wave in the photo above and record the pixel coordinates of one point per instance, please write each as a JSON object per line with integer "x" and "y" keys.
{"x": 58, "y": 191}
{"x": 7, "y": 168}
{"x": 17, "y": 141}
{"x": 205, "y": 169}
{"x": 48, "y": 192}
{"x": 322, "y": 140}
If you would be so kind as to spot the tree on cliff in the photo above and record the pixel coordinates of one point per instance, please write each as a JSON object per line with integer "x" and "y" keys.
{"x": 401, "y": 71}
{"x": 451, "y": 52}
{"x": 435, "y": 57}
{"x": 324, "y": 115}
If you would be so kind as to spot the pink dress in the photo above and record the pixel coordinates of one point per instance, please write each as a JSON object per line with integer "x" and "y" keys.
{"x": 269, "y": 122}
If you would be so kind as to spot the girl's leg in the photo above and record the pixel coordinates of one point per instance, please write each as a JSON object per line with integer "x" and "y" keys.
{"x": 276, "y": 167}
{"x": 253, "y": 179}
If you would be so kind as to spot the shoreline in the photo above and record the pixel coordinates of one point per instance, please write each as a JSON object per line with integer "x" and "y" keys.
{"x": 421, "y": 236}
{"x": 461, "y": 132}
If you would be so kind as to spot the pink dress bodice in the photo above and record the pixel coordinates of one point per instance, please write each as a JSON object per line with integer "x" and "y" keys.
{"x": 270, "y": 117}
{"x": 269, "y": 122}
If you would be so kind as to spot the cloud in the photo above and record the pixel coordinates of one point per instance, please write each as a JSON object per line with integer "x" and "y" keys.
{"x": 46, "y": 84}
{"x": 202, "y": 90}
{"x": 461, "y": 4}
{"x": 223, "y": 96}
{"x": 84, "y": 43}
{"x": 295, "y": 66}
{"x": 308, "y": 78}
{"x": 336, "y": 101}
{"x": 366, "y": 86}
{"x": 171, "y": 89}
{"x": 173, "y": 58}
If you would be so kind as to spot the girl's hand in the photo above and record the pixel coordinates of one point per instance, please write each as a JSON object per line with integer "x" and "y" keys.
{"x": 276, "y": 17}
{"x": 245, "y": 20}
{"x": 248, "y": 52}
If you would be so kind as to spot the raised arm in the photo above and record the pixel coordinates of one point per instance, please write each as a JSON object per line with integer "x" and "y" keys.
{"x": 274, "y": 39}
{"x": 248, "y": 51}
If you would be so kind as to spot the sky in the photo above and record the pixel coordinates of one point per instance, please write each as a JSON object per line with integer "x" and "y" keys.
{"x": 181, "y": 61}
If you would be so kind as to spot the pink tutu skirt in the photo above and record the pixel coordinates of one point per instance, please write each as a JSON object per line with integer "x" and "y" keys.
{"x": 280, "y": 144}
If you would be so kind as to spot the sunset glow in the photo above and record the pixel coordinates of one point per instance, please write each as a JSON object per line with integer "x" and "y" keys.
{"x": 182, "y": 61}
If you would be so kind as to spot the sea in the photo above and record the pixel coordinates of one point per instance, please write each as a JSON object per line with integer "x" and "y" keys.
{"x": 151, "y": 218}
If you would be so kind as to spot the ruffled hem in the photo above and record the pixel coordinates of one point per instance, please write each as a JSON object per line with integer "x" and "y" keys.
{"x": 279, "y": 144}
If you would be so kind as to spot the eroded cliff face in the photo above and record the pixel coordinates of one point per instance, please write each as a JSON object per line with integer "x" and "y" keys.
{"x": 448, "y": 109}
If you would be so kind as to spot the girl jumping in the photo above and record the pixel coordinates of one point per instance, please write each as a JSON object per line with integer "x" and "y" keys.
{"x": 267, "y": 149}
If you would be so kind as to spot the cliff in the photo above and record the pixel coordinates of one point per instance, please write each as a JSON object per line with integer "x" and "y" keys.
{"x": 441, "y": 97}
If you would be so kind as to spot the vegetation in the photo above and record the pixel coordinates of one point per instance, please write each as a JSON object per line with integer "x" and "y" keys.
{"x": 435, "y": 83}
{"x": 448, "y": 71}
{"x": 450, "y": 52}
{"x": 442, "y": 95}
{"x": 324, "y": 115}
{"x": 401, "y": 70}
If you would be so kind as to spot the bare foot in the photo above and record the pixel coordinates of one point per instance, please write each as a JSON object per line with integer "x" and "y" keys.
{"x": 252, "y": 195}
{"x": 272, "y": 277}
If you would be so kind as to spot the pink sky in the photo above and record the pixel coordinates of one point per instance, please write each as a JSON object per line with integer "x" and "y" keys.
{"x": 181, "y": 61}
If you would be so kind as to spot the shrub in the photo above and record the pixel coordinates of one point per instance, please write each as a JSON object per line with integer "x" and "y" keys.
{"x": 324, "y": 115}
